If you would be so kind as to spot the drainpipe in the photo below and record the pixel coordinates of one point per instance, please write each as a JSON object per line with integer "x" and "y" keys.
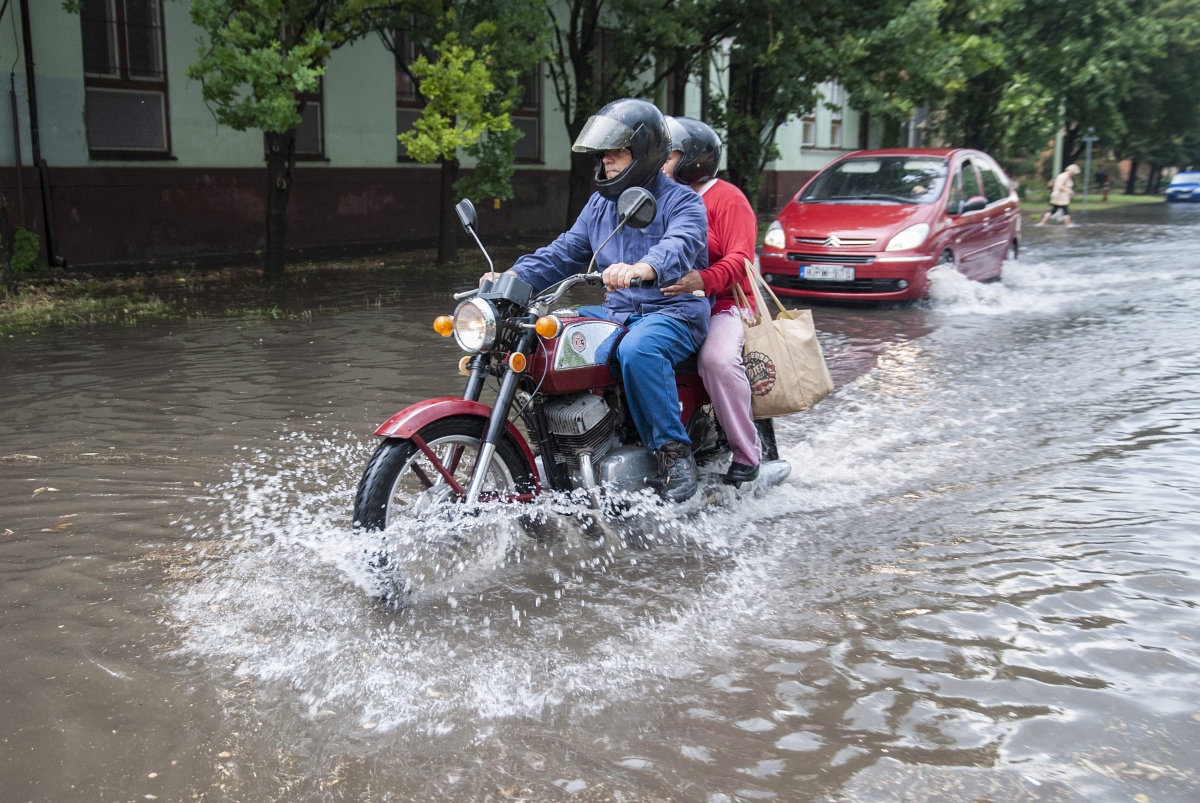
{"x": 35, "y": 143}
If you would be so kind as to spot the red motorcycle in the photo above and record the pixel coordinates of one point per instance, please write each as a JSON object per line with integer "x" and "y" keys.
{"x": 558, "y": 378}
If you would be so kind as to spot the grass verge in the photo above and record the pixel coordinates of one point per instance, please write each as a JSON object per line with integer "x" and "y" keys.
{"x": 71, "y": 302}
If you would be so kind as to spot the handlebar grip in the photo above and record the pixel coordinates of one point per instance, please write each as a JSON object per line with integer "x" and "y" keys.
{"x": 638, "y": 283}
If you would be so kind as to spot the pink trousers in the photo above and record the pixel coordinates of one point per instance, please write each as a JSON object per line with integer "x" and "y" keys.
{"x": 724, "y": 377}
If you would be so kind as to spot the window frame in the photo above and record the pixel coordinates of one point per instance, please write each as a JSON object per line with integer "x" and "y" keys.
{"x": 123, "y": 81}
{"x": 531, "y": 111}
{"x": 317, "y": 97}
{"x": 409, "y": 99}
{"x": 808, "y": 130}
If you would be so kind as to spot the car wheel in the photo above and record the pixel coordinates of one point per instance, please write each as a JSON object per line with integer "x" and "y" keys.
{"x": 946, "y": 259}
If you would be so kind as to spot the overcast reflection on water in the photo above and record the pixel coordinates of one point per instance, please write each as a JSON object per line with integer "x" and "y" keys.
{"x": 979, "y": 582}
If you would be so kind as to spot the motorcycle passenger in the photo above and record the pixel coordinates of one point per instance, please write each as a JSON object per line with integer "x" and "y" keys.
{"x": 732, "y": 234}
{"x": 630, "y": 141}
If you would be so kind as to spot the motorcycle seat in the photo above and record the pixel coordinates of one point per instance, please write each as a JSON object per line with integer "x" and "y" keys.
{"x": 690, "y": 365}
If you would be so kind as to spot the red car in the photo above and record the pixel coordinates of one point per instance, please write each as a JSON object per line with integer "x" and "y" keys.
{"x": 870, "y": 225}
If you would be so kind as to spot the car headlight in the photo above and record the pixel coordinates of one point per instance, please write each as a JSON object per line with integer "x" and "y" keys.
{"x": 909, "y": 238}
{"x": 775, "y": 237}
{"x": 475, "y": 325}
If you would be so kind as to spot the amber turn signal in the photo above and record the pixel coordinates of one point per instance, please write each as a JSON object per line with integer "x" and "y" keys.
{"x": 516, "y": 361}
{"x": 443, "y": 325}
{"x": 548, "y": 326}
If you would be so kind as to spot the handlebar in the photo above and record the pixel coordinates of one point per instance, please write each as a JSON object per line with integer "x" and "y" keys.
{"x": 594, "y": 279}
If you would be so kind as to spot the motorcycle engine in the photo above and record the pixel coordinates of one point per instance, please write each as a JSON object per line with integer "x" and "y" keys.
{"x": 582, "y": 424}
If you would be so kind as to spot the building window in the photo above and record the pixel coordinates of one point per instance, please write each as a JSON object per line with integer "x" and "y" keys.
{"x": 310, "y": 134}
{"x": 835, "y": 134}
{"x": 527, "y": 118}
{"x": 808, "y": 131}
{"x": 837, "y": 101}
{"x": 604, "y": 65}
{"x": 125, "y": 82}
{"x": 408, "y": 101}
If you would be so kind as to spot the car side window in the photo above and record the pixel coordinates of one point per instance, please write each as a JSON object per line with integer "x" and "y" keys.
{"x": 993, "y": 189}
{"x": 970, "y": 181}
{"x": 955, "y": 199}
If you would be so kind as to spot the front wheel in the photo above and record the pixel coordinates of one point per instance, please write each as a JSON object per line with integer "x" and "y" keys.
{"x": 405, "y": 480}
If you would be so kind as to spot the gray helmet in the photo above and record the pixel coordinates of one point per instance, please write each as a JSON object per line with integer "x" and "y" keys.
{"x": 700, "y": 146}
{"x": 626, "y": 123}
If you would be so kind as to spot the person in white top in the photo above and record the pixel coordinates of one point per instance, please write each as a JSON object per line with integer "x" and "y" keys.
{"x": 1060, "y": 195}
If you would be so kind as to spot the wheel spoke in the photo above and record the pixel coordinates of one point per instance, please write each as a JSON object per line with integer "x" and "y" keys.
{"x": 437, "y": 465}
{"x": 422, "y": 476}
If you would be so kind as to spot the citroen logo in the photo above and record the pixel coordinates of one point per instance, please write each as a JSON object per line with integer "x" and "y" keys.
{"x": 833, "y": 241}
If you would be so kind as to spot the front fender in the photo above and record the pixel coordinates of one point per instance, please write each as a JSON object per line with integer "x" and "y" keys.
{"x": 408, "y": 421}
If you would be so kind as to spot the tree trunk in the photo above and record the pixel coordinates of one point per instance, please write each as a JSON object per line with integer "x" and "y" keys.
{"x": 281, "y": 170}
{"x": 1131, "y": 184}
{"x": 891, "y": 132}
{"x": 579, "y": 186}
{"x": 1152, "y": 180}
{"x": 447, "y": 219}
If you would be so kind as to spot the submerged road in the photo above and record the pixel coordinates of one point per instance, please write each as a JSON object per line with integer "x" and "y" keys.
{"x": 980, "y": 581}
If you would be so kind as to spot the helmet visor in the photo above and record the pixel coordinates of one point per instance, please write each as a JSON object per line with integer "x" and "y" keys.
{"x": 602, "y": 134}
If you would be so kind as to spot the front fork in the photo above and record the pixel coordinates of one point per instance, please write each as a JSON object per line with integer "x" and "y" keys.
{"x": 495, "y": 426}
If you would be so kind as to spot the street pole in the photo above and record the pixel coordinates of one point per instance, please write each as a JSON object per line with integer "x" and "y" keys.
{"x": 1088, "y": 138}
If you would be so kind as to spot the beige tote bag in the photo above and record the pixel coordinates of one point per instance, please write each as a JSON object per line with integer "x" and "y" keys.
{"x": 783, "y": 358}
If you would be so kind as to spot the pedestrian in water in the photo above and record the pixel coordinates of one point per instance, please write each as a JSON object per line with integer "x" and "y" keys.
{"x": 1060, "y": 195}
{"x": 732, "y": 233}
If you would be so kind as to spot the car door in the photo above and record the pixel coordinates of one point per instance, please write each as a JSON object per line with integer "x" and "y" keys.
{"x": 997, "y": 220}
{"x": 963, "y": 227}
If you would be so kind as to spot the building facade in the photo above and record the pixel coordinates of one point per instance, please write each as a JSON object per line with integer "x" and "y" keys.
{"x": 136, "y": 167}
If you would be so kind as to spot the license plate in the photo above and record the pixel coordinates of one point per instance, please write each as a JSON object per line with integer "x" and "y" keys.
{"x": 830, "y": 273}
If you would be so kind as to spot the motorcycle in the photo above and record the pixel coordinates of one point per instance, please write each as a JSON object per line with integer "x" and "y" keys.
{"x": 558, "y": 370}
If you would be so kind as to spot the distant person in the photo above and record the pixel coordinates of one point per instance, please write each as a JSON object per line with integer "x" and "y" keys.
{"x": 1103, "y": 182}
{"x": 1060, "y": 195}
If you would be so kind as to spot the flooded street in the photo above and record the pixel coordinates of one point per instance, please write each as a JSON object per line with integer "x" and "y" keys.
{"x": 980, "y": 582}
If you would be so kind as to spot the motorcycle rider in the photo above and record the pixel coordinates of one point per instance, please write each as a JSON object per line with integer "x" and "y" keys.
{"x": 732, "y": 234}
{"x": 630, "y": 141}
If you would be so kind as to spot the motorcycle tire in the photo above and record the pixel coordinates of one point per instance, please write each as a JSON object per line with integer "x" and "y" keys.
{"x": 401, "y": 480}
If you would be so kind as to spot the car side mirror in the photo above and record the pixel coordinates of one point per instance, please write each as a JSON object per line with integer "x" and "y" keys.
{"x": 973, "y": 205}
{"x": 466, "y": 214}
{"x": 636, "y": 208}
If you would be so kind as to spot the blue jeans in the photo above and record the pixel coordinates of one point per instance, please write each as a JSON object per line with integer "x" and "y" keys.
{"x": 647, "y": 355}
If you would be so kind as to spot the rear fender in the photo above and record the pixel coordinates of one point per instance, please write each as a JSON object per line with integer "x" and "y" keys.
{"x": 409, "y": 421}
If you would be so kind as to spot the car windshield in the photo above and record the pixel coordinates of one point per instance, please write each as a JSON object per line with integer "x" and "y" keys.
{"x": 1186, "y": 178}
{"x": 879, "y": 179}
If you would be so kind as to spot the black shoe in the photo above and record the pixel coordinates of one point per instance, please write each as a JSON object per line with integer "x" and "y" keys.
{"x": 738, "y": 473}
{"x": 678, "y": 477}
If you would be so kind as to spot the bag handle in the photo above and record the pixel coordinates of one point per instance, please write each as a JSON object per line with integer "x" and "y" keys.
{"x": 741, "y": 300}
{"x": 757, "y": 281}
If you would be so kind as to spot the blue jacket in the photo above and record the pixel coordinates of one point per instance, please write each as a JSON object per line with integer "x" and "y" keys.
{"x": 674, "y": 243}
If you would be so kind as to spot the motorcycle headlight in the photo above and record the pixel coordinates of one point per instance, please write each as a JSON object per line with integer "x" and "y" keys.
{"x": 775, "y": 237}
{"x": 909, "y": 238}
{"x": 475, "y": 325}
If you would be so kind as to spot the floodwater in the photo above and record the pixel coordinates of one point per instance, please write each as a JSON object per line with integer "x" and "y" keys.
{"x": 980, "y": 582}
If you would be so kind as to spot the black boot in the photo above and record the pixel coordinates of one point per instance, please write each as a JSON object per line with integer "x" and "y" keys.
{"x": 738, "y": 473}
{"x": 678, "y": 477}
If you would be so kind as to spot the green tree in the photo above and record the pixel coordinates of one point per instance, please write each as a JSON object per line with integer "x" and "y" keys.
{"x": 1162, "y": 112}
{"x": 467, "y": 63}
{"x": 259, "y": 60}
{"x": 1023, "y": 60}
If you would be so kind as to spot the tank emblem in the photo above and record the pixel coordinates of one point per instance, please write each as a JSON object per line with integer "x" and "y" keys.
{"x": 761, "y": 373}
{"x": 579, "y": 342}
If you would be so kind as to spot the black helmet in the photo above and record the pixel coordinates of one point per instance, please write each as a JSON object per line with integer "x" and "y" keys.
{"x": 626, "y": 123}
{"x": 700, "y": 146}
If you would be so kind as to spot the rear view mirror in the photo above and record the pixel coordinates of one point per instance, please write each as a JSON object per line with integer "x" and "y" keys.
{"x": 466, "y": 213}
{"x": 636, "y": 208}
{"x": 973, "y": 205}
